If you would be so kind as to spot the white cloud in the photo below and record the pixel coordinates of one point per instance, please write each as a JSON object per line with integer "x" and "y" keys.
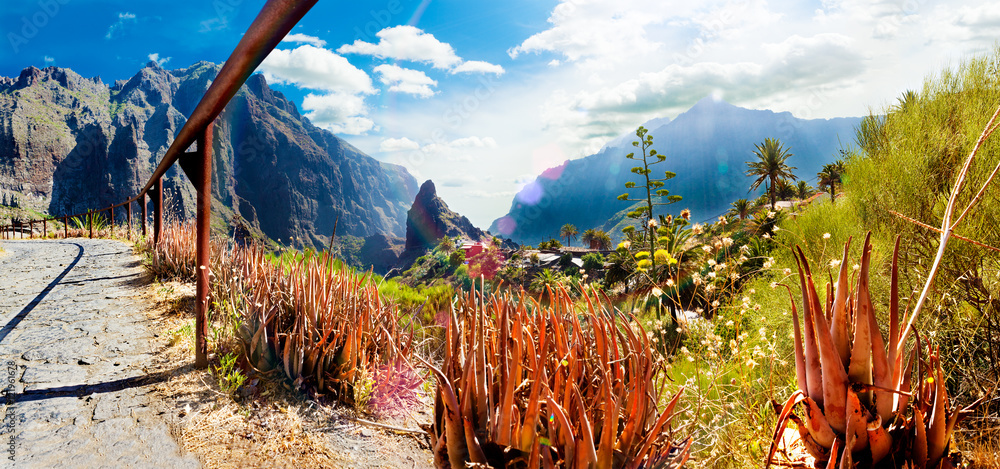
{"x": 340, "y": 113}
{"x": 317, "y": 69}
{"x": 299, "y": 38}
{"x": 406, "y": 43}
{"x": 414, "y": 45}
{"x": 599, "y": 31}
{"x": 473, "y": 142}
{"x": 123, "y": 18}
{"x": 592, "y": 116}
{"x": 48, "y": 60}
{"x": 398, "y": 144}
{"x": 155, "y": 57}
{"x": 795, "y": 62}
{"x": 404, "y": 80}
{"x": 478, "y": 66}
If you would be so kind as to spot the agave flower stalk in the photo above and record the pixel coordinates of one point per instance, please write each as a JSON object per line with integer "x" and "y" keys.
{"x": 544, "y": 386}
{"x": 854, "y": 387}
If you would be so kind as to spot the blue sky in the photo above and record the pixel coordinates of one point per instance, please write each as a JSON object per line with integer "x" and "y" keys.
{"x": 481, "y": 96}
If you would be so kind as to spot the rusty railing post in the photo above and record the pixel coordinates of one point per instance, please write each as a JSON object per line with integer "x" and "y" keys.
{"x": 111, "y": 222}
{"x": 45, "y": 228}
{"x": 65, "y": 227}
{"x": 31, "y": 229}
{"x": 203, "y": 226}
{"x": 90, "y": 222}
{"x": 128, "y": 210}
{"x": 158, "y": 212}
{"x": 142, "y": 209}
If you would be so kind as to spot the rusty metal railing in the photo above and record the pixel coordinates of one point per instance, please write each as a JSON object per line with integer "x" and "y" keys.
{"x": 274, "y": 21}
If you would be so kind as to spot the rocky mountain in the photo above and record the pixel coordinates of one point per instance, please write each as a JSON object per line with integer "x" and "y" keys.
{"x": 69, "y": 143}
{"x": 707, "y": 147}
{"x": 427, "y": 222}
{"x": 430, "y": 219}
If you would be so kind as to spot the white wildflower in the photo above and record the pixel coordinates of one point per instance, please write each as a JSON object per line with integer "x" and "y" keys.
{"x": 826, "y": 235}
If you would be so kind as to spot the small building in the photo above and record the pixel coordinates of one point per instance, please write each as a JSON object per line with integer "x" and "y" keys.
{"x": 472, "y": 248}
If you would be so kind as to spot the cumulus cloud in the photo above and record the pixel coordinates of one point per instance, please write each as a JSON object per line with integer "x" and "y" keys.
{"x": 413, "y": 44}
{"x": 398, "y": 144}
{"x": 599, "y": 31}
{"x": 123, "y": 19}
{"x": 795, "y": 62}
{"x": 48, "y": 60}
{"x": 155, "y": 57}
{"x": 404, "y": 80}
{"x": 406, "y": 43}
{"x": 338, "y": 112}
{"x": 315, "y": 68}
{"x": 298, "y": 38}
{"x": 478, "y": 66}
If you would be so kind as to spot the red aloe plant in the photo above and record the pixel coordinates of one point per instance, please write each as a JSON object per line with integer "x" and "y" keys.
{"x": 524, "y": 384}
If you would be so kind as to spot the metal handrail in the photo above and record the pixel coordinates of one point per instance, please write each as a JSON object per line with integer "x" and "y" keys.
{"x": 274, "y": 21}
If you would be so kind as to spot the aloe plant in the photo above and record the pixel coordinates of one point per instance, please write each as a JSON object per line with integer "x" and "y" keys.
{"x": 855, "y": 388}
{"x": 527, "y": 385}
{"x": 324, "y": 327}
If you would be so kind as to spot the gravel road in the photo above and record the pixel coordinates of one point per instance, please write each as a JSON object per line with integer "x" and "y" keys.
{"x": 74, "y": 344}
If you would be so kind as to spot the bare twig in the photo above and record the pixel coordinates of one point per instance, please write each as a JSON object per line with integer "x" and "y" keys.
{"x": 932, "y": 228}
{"x": 386, "y": 426}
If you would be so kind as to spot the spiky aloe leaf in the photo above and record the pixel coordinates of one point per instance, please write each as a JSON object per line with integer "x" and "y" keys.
{"x": 840, "y": 332}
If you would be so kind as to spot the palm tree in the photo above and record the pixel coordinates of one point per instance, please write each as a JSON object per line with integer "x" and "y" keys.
{"x": 588, "y": 237}
{"x": 785, "y": 190}
{"x": 803, "y": 190}
{"x": 569, "y": 232}
{"x": 771, "y": 167}
{"x": 741, "y": 208}
{"x": 602, "y": 241}
{"x": 907, "y": 100}
{"x": 829, "y": 177}
{"x": 596, "y": 239}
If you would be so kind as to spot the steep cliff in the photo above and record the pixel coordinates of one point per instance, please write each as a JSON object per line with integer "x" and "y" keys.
{"x": 430, "y": 219}
{"x": 69, "y": 143}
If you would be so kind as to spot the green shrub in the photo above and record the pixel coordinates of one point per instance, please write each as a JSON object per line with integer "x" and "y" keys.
{"x": 593, "y": 261}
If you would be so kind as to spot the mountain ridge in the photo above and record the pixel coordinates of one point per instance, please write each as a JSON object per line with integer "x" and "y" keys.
{"x": 69, "y": 143}
{"x": 707, "y": 146}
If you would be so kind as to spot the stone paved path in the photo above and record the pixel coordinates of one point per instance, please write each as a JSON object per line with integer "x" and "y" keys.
{"x": 73, "y": 343}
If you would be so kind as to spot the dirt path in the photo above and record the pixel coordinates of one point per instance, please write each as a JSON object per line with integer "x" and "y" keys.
{"x": 74, "y": 344}
{"x": 100, "y": 378}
